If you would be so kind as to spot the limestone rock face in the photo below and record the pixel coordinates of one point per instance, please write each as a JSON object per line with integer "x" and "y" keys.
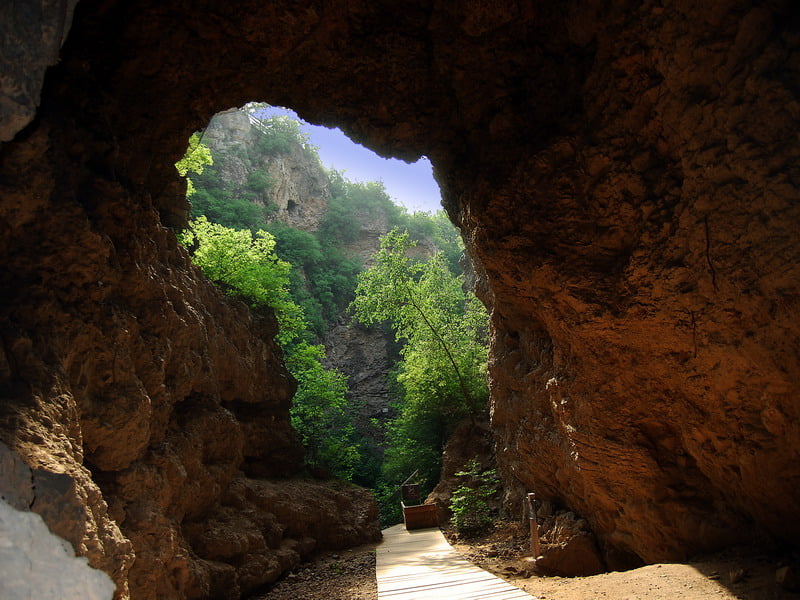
{"x": 302, "y": 190}
{"x": 471, "y": 439}
{"x": 36, "y": 564}
{"x": 568, "y": 549}
{"x": 626, "y": 178}
{"x": 366, "y": 356}
{"x": 299, "y": 187}
{"x": 134, "y": 391}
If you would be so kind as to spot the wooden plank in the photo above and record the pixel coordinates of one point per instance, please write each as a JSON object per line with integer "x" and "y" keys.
{"x": 421, "y": 565}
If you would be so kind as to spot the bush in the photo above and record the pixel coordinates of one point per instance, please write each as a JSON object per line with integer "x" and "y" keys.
{"x": 471, "y": 512}
{"x": 279, "y": 134}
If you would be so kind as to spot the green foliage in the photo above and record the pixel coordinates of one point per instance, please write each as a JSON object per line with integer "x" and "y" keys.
{"x": 471, "y": 512}
{"x": 279, "y": 135}
{"x": 448, "y": 240}
{"x": 247, "y": 267}
{"x": 219, "y": 206}
{"x": 436, "y": 229}
{"x": 414, "y": 442}
{"x": 368, "y": 468}
{"x": 444, "y": 359}
{"x": 259, "y": 181}
{"x": 320, "y": 412}
{"x": 196, "y": 158}
{"x": 295, "y": 245}
{"x": 340, "y": 225}
{"x": 388, "y": 499}
{"x": 350, "y": 203}
{"x": 442, "y": 374}
{"x": 221, "y": 202}
{"x": 324, "y": 278}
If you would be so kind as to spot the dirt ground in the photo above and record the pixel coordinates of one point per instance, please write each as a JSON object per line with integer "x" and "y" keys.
{"x": 737, "y": 574}
{"x": 341, "y": 575}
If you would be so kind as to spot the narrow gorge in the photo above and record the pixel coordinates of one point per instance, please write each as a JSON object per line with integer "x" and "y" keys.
{"x": 625, "y": 177}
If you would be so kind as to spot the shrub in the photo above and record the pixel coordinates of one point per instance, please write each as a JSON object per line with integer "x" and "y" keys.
{"x": 471, "y": 512}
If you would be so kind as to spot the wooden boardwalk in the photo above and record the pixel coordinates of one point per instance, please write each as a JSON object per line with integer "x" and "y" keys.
{"x": 421, "y": 565}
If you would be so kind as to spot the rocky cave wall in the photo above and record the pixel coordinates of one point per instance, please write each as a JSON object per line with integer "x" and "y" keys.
{"x": 150, "y": 411}
{"x": 626, "y": 178}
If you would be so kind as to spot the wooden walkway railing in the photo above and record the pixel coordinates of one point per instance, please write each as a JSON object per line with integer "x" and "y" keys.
{"x": 421, "y": 565}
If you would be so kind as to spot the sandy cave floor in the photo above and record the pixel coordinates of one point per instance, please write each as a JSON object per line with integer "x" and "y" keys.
{"x": 737, "y": 574}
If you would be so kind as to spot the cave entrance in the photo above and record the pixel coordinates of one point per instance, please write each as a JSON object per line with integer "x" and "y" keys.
{"x": 379, "y": 390}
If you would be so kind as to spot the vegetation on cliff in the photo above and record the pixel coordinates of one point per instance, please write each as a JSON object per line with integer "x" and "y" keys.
{"x": 309, "y": 278}
{"x": 245, "y": 265}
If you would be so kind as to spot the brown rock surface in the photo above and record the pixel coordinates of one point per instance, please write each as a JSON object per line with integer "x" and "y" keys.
{"x": 568, "y": 549}
{"x": 626, "y": 178}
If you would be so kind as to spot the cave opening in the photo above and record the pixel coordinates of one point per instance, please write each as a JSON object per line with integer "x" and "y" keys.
{"x": 260, "y": 167}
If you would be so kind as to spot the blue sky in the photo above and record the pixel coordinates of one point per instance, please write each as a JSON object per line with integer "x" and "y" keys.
{"x": 411, "y": 185}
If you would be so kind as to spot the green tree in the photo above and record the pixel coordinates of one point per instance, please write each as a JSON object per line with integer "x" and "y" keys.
{"x": 442, "y": 374}
{"x": 246, "y": 266}
{"x": 280, "y": 134}
{"x": 425, "y": 305}
{"x": 221, "y": 206}
{"x": 196, "y": 158}
{"x": 320, "y": 412}
{"x": 448, "y": 240}
{"x": 324, "y": 277}
{"x": 471, "y": 511}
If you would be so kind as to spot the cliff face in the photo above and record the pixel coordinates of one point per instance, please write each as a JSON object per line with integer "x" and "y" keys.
{"x": 643, "y": 273}
{"x": 30, "y": 41}
{"x": 299, "y": 188}
{"x": 150, "y": 411}
{"x": 625, "y": 174}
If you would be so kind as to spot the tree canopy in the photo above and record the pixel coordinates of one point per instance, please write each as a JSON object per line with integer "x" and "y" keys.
{"x": 320, "y": 412}
{"x": 442, "y": 374}
{"x": 245, "y": 265}
{"x": 309, "y": 279}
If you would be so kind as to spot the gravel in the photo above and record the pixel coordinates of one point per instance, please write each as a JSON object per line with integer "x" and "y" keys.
{"x": 342, "y": 575}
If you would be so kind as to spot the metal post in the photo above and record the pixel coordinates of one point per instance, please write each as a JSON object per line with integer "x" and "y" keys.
{"x": 535, "y": 548}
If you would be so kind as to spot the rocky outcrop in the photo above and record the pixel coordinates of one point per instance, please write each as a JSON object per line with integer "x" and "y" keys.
{"x": 651, "y": 387}
{"x": 625, "y": 175}
{"x": 262, "y": 529}
{"x": 299, "y": 187}
{"x": 366, "y": 356}
{"x": 471, "y": 439}
{"x": 568, "y": 547}
{"x": 34, "y": 563}
{"x": 142, "y": 401}
{"x": 138, "y": 394}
